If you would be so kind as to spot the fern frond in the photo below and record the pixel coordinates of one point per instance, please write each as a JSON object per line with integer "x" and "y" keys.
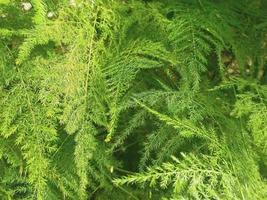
{"x": 39, "y": 7}
{"x": 201, "y": 180}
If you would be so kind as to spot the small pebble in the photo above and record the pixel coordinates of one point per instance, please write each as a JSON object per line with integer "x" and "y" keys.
{"x": 26, "y": 6}
{"x": 50, "y": 14}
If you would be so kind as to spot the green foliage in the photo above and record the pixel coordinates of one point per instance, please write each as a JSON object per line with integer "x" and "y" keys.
{"x": 136, "y": 99}
{"x": 196, "y": 178}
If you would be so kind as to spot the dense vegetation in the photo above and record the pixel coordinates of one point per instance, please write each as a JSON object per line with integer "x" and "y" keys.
{"x": 133, "y": 99}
